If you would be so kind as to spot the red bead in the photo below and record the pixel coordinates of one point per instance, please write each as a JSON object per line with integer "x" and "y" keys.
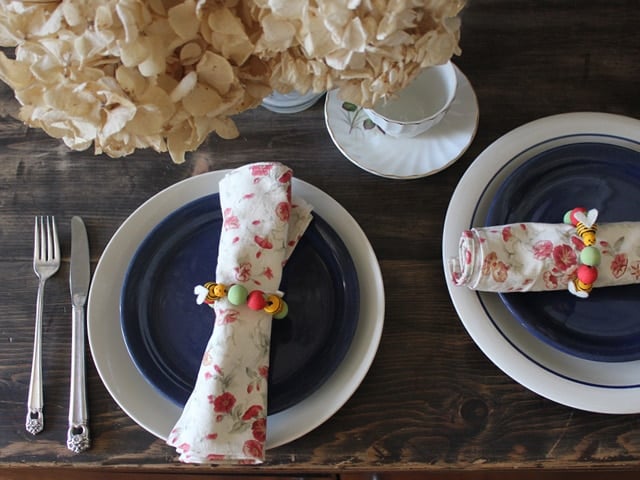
{"x": 587, "y": 274}
{"x": 256, "y": 300}
{"x": 574, "y": 222}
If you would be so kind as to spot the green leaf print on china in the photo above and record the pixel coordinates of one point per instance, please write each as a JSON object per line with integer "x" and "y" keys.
{"x": 355, "y": 114}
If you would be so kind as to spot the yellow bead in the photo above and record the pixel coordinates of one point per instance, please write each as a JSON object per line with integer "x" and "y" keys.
{"x": 584, "y": 287}
{"x": 220, "y": 290}
{"x": 274, "y": 304}
{"x": 216, "y": 291}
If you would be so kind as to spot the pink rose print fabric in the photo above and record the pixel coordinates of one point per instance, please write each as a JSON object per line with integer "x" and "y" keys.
{"x": 541, "y": 256}
{"x": 225, "y": 418}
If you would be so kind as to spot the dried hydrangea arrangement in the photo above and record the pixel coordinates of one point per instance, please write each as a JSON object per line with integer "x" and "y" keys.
{"x": 128, "y": 74}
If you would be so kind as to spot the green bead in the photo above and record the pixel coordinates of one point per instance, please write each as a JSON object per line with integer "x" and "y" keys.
{"x": 590, "y": 256}
{"x": 237, "y": 295}
{"x": 567, "y": 217}
{"x": 283, "y": 313}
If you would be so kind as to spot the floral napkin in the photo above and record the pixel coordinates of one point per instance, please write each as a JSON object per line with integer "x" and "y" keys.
{"x": 541, "y": 256}
{"x": 224, "y": 419}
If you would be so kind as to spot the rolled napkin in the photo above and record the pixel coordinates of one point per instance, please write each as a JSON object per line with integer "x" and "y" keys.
{"x": 523, "y": 257}
{"x": 224, "y": 419}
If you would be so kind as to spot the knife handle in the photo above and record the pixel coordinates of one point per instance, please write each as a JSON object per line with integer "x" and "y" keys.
{"x": 78, "y": 432}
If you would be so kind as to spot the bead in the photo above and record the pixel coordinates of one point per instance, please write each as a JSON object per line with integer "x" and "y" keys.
{"x": 237, "y": 295}
{"x": 573, "y": 212}
{"x": 214, "y": 290}
{"x": 583, "y": 287}
{"x": 567, "y": 217}
{"x": 587, "y": 274}
{"x": 590, "y": 256}
{"x": 284, "y": 311}
{"x": 274, "y": 304}
{"x": 587, "y": 234}
{"x": 256, "y": 300}
{"x": 220, "y": 290}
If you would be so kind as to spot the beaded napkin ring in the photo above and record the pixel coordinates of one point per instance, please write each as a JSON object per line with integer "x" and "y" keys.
{"x": 271, "y": 303}
{"x": 586, "y": 228}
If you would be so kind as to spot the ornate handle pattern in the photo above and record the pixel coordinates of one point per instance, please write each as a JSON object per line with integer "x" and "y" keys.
{"x": 78, "y": 432}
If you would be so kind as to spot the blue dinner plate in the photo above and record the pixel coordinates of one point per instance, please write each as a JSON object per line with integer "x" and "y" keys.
{"x": 166, "y": 332}
{"x": 606, "y": 326}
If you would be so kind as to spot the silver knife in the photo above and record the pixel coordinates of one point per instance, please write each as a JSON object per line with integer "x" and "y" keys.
{"x": 79, "y": 278}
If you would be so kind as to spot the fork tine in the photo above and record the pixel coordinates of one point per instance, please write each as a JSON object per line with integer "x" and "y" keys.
{"x": 40, "y": 240}
{"x": 43, "y": 240}
{"x": 49, "y": 248}
{"x": 36, "y": 240}
{"x": 56, "y": 243}
{"x": 46, "y": 246}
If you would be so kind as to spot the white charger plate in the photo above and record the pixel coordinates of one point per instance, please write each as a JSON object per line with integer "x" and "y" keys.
{"x": 153, "y": 411}
{"x": 588, "y": 385}
{"x": 404, "y": 158}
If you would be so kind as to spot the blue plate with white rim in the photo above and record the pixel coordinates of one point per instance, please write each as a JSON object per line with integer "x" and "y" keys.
{"x": 166, "y": 332}
{"x": 605, "y": 326}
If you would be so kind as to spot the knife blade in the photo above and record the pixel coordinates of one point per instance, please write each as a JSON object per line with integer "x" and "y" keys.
{"x": 79, "y": 280}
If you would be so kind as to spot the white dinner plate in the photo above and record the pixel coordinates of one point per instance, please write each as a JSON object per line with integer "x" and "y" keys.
{"x": 403, "y": 158}
{"x": 585, "y": 384}
{"x": 153, "y": 411}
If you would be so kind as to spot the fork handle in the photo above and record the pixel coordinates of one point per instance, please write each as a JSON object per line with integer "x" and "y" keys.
{"x": 78, "y": 432}
{"x": 35, "y": 419}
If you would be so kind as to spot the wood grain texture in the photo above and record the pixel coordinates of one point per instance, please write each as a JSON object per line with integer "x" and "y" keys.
{"x": 432, "y": 402}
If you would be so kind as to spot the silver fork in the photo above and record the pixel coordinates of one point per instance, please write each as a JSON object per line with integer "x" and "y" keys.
{"x": 46, "y": 262}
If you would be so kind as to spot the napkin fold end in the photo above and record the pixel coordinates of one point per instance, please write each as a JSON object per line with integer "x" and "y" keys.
{"x": 226, "y": 454}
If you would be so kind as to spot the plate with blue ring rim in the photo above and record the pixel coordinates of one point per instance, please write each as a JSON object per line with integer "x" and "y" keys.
{"x": 604, "y": 387}
{"x": 595, "y": 175}
{"x": 165, "y": 331}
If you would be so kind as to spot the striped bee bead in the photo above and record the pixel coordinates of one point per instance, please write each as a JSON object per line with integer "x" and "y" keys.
{"x": 587, "y": 233}
{"x": 215, "y": 292}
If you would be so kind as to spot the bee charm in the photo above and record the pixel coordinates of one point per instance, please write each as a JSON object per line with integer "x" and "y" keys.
{"x": 579, "y": 288}
{"x": 586, "y": 227}
{"x": 216, "y": 291}
{"x": 209, "y": 292}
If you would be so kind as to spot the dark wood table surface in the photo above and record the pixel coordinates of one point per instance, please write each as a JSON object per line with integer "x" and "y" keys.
{"x": 432, "y": 402}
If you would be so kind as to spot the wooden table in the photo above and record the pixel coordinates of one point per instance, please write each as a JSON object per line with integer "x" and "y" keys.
{"x": 432, "y": 403}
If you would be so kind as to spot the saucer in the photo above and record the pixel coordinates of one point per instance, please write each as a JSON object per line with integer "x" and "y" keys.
{"x": 364, "y": 144}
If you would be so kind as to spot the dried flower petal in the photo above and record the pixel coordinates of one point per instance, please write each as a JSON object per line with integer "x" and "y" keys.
{"x": 129, "y": 74}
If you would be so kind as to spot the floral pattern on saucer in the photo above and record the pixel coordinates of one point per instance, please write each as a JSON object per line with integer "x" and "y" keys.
{"x": 368, "y": 147}
{"x": 355, "y": 115}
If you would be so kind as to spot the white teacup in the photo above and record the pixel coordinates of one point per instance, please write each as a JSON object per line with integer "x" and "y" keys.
{"x": 420, "y": 105}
